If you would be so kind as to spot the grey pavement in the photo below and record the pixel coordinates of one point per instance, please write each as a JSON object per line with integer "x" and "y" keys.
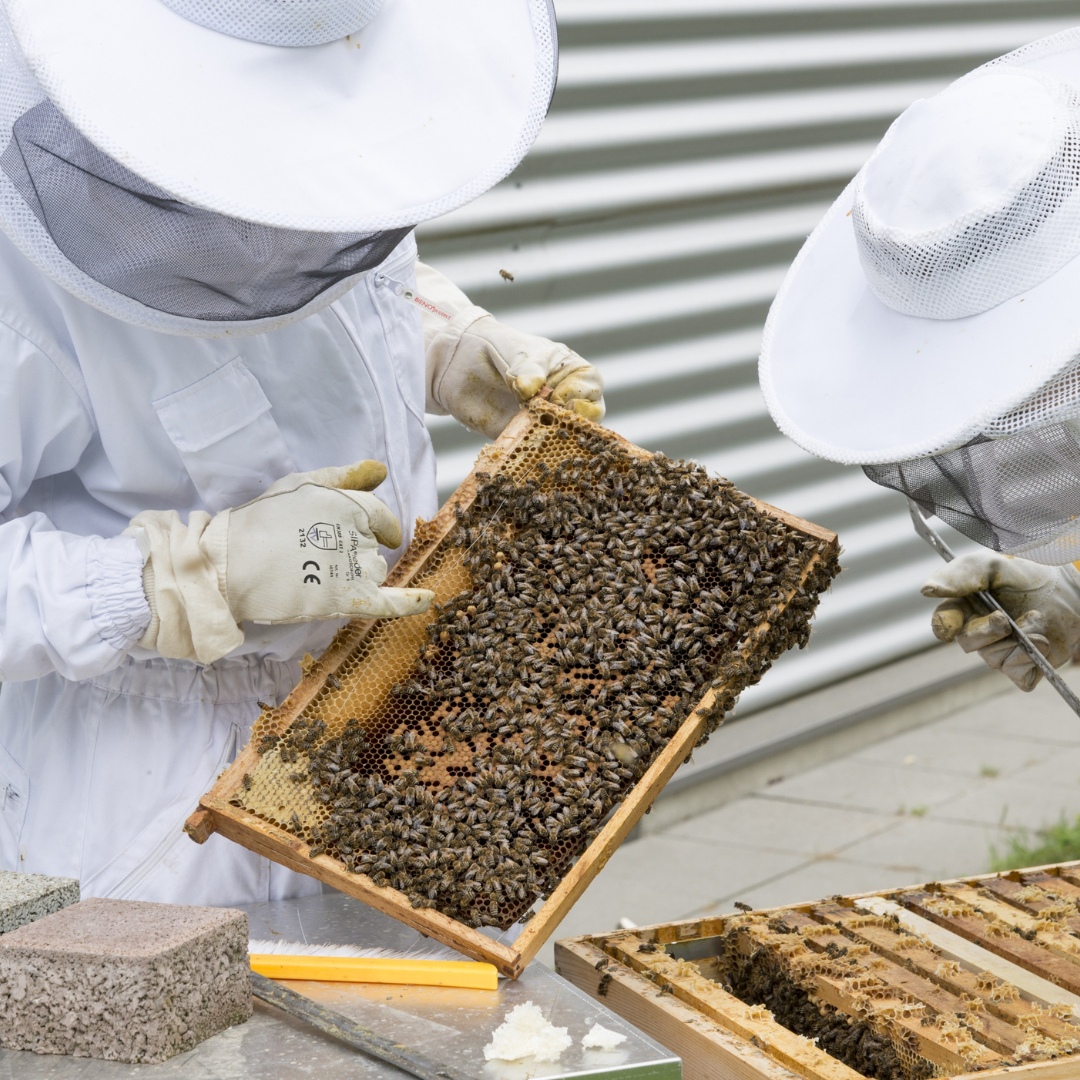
{"x": 925, "y": 804}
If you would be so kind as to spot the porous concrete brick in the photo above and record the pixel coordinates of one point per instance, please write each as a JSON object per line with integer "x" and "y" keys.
{"x": 26, "y": 897}
{"x": 123, "y": 980}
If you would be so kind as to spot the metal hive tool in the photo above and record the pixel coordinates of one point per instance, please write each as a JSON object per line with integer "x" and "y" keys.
{"x": 455, "y": 768}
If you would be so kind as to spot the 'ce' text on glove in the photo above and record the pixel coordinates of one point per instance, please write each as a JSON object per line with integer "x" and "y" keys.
{"x": 307, "y": 549}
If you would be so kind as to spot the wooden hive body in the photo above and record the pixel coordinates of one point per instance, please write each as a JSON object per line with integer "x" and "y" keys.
{"x": 262, "y": 803}
{"x": 962, "y": 979}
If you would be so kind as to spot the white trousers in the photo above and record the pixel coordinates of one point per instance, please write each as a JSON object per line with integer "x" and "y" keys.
{"x": 98, "y": 777}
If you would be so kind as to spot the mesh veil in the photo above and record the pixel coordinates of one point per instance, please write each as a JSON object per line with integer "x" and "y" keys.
{"x": 1019, "y": 495}
{"x": 48, "y": 152}
{"x": 136, "y": 239}
{"x": 275, "y": 23}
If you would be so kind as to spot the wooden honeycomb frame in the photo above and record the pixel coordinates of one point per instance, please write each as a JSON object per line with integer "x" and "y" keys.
{"x": 953, "y": 957}
{"x": 217, "y": 814}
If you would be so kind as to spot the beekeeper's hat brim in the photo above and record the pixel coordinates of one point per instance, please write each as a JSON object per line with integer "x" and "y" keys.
{"x": 428, "y": 106}
{"x": 852, "y": 380}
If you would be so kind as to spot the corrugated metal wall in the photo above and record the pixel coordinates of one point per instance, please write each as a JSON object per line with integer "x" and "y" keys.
{"x": 691, "y": 146}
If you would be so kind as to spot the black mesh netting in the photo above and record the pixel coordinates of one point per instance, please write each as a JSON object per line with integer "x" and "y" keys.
{"x": 138, "y": 240}
{"x": 1003, "y": 493}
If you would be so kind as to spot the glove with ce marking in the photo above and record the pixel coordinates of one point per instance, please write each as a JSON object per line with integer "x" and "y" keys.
{"x": 1044, "y": 601}
{"x": 480, "y": 371}
{"x": 306, "y": 549}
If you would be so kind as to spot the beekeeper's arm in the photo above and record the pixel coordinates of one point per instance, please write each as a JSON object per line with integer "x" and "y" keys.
{"x": 1044, "y": 601}
{"x": 68, "y": 603}
{"x": 307, "y": 549}
{"x": 480, "y": 371}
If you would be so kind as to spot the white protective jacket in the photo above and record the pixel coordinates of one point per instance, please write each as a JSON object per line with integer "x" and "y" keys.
{"x": 105, "y": 748}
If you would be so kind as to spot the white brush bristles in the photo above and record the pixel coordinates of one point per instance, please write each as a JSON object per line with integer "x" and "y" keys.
{"x": 430, "y": 951}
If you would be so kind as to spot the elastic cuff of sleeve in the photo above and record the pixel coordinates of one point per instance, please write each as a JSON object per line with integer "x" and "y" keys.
{"x": 114, "y": 583}
{"x": 150, "y": 635}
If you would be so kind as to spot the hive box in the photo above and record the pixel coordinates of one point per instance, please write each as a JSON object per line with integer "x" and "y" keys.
{"x": 123, "y": 980}
{"x": 26, "y": 897}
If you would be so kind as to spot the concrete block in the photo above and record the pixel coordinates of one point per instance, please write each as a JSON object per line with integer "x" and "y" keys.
{"x": 123, "y": 980}
{"x": 26, "y": 897}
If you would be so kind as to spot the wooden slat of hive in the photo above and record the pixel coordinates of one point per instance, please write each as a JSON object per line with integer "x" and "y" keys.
{"x": 998, "y": 1035}
{"x": 1069, "y": 872}
{"x": 1061, "y": 1069}
{"x": 976, "y": 927}
{"x": 1032, "y": 986}
{"x": 1016, "y": 889}
{"x": 920, "y": 956}
{"x": 752, "y": 1023}
{"x": 1032, "y": 927}
{"x": 888, "y": 1007}
{"x": 216, "y": 813}
{"x": 708, "y": 1049}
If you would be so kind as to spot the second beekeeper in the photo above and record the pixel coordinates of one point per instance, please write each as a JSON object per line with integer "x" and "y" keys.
{"x": 929, "y": 331}
{"x": 213, "y": 382}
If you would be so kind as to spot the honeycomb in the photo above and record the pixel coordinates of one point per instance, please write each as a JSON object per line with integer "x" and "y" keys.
{"x": 763, "y": 959}
{"x": 586, "y": 599}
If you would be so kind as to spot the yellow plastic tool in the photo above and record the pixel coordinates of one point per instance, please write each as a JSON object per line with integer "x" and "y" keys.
{"x": 463, "y": 973}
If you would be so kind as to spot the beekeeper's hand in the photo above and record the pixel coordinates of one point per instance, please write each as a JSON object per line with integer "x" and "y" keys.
{"x": 480, "y": 371}
{"x": 306, "y": 549}
{"x": 1044, "y": 601}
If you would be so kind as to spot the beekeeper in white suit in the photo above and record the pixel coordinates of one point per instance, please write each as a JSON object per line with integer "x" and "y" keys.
{"x": 208, "y": 359}
{"x": 929, "y": 331}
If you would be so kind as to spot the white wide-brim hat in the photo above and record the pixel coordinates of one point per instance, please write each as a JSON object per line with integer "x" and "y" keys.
{"x": 221, "y": 168}
{"x": 423, "y": 106}
{"x": 938, "y": 301}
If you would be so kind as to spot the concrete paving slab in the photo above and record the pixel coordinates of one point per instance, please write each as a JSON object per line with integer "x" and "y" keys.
{"x": 957, "y": 753}
{"x": 928, "y": 849}
{"x": 1012, "y": 803}
{"x": 123, "y": 980}
{"x": 1038, "y": 716}
{"x": 760, "y": 821}
{"x": 867, "y": 785}
{"x": 1060, "y": 769}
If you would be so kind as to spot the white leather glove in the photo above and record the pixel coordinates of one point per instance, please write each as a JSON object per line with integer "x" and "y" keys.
{"x": 480, "y": 371}
{"x": 1044, "y": 601}
{"x": 307, "y": 549}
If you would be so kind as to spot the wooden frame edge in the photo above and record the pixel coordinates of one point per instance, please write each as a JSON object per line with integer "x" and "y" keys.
{"x": 285, "y": 849}
{"x": 215, "y": 813}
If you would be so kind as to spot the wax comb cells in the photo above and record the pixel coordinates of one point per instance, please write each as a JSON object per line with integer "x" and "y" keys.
{"x": 587, "y": 599}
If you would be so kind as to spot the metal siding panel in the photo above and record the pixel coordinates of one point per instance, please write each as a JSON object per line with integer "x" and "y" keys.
{"x": 692, "y": 145}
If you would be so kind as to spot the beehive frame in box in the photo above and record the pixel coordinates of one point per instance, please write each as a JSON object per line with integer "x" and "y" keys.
{"x": 978, "y": 977}
{"x": 598, "y": 609}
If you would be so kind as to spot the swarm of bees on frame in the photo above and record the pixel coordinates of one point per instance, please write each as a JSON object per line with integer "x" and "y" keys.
{"x": 759, "y": 977}
{"x": 610, "y": 592}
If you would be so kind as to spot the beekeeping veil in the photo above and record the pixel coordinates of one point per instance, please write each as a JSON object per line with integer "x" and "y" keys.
{"x": 214, "y": 167}
{"x": 929, "y": 330}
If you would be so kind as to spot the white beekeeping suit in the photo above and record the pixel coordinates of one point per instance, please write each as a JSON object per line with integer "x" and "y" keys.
{"x": 207, "y": 211}
{"x": 929, "y": 331}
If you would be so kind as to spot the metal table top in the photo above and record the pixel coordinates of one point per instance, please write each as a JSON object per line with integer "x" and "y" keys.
{"x": 448, "y": 1025}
